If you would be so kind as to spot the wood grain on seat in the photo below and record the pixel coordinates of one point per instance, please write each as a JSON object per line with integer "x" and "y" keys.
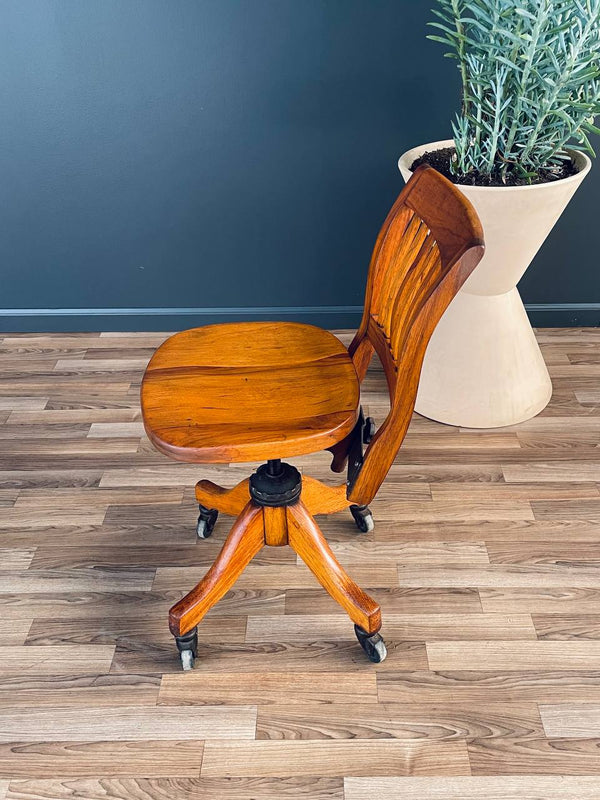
{"x": 249, "y": 391}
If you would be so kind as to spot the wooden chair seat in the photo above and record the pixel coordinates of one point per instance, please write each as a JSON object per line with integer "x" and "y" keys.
{"x": 249, "y": 391}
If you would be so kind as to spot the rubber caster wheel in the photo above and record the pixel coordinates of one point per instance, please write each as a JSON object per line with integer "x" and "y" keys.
{"x": 187, "y": 660}
{"x": 363, "y": 518}
{"x": 188, "y": 648}
{"x": 373, "y": 645}
{"x": 206, "y": 522}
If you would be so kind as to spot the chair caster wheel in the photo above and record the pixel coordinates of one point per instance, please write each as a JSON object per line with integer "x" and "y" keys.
{"x": 363, "y": 518}
{"x": 373, "y": 645}
{"x": 206, "y": 522}
{"x": 188, "y": 648}
{"x": 187, "y": 660}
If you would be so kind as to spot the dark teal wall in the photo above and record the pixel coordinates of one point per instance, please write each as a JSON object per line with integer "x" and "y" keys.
{"x": 222, "y": 154}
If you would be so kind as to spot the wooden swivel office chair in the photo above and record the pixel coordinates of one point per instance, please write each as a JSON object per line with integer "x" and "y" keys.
{"x": 270, "y": 390}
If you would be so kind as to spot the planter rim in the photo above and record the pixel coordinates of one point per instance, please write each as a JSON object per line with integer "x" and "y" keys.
{"x": 404, "y": 162}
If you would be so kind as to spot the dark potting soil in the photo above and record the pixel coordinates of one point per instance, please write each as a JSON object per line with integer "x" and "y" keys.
{"x": 440, "y": 160}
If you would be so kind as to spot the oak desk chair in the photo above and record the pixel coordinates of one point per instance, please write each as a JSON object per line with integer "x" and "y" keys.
{"x": 269, "y": 390}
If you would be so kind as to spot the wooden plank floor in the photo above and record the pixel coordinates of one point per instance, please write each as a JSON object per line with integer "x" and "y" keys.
{"x": 485, "y": 559}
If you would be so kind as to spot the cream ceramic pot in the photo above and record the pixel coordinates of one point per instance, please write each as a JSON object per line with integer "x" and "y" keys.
{"x": 483, "y": 367}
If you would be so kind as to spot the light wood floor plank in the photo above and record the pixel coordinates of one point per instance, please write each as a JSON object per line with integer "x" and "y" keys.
{"x": 588, "y": 396}
{"x": 176, "y": 474}
{"x": 75, "y": 580}
{"x": 422, "y": 553}
{"x": 116, "y": 430}
{"x": 567, "y": 626}
{"x": 38, "y": 478}
{"x": 561, "y": 471}
{"x": 556, "y": 490}
{"x": 416, "y": 721}
{"x": 14, "y": 632}
{"x": 513, "y": 655}
{"x": 33, "y": 516}
{"x": 16, "y": 558}
{"x": 311, "y": 788}
{"x": 567, "y": 509}
{"x": 505, "y": 787}
{"x": 268, "y": 688}
{"x": 25, "y": 433}
{"x": 498, "y": 575}
{"x": 73, "y": 415}
{"x": 8, "y": 496}
{"x": 128, "y": 723}
{"x": 489, "y": 686}
{"x": 62, "y": 660}
{"x": 85, "y": 341}
{"x": 557, "y": 554}
{"x": 92, "y": 498}
{"x": 556, "y": 530}
{"x": 547, "y": 600}
{"x": 67, "y": 448}
{"x": 22, "y": 403}
{"x": 335, "y": 758}
{"x": 455, "y": 510}
{"x": 530, "y": 757}
{"x": 572, "y": 720}
{"x": 455, "y": 440}
{"x": 83, "y": 692}
{"x": 101, "y": 364}
{"x": 556, "y": 424}
{"x": 72, "y": 759}
{"x": 445, "y": 473}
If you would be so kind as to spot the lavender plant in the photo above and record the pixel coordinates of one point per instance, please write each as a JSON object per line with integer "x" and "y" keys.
{"x": 530, "y": 72}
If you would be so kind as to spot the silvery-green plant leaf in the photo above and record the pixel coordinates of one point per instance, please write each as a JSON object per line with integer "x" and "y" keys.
{"x": 530, "y": 73}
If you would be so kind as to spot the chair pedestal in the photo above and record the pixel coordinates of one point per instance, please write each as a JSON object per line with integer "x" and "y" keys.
{"x": 275, "y": 511}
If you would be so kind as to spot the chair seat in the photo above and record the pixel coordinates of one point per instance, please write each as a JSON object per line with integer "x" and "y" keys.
{"x": 249, "y": 391}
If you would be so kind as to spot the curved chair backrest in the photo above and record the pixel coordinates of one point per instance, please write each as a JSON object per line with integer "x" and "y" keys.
{"x": 428, "y": 246}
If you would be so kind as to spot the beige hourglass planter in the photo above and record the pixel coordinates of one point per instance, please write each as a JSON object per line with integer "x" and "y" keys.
{"x": 483, "y": 367}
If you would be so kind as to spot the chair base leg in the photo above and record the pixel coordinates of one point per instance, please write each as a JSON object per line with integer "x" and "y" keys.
{"x": 258, "y": 525}
{"x": 308, "y": 542}
{"x": 228, "y": 501}
{"x": 245, "y": 539}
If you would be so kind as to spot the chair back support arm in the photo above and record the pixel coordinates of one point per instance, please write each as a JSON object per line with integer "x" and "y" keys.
{"x": 428, "y": 246}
